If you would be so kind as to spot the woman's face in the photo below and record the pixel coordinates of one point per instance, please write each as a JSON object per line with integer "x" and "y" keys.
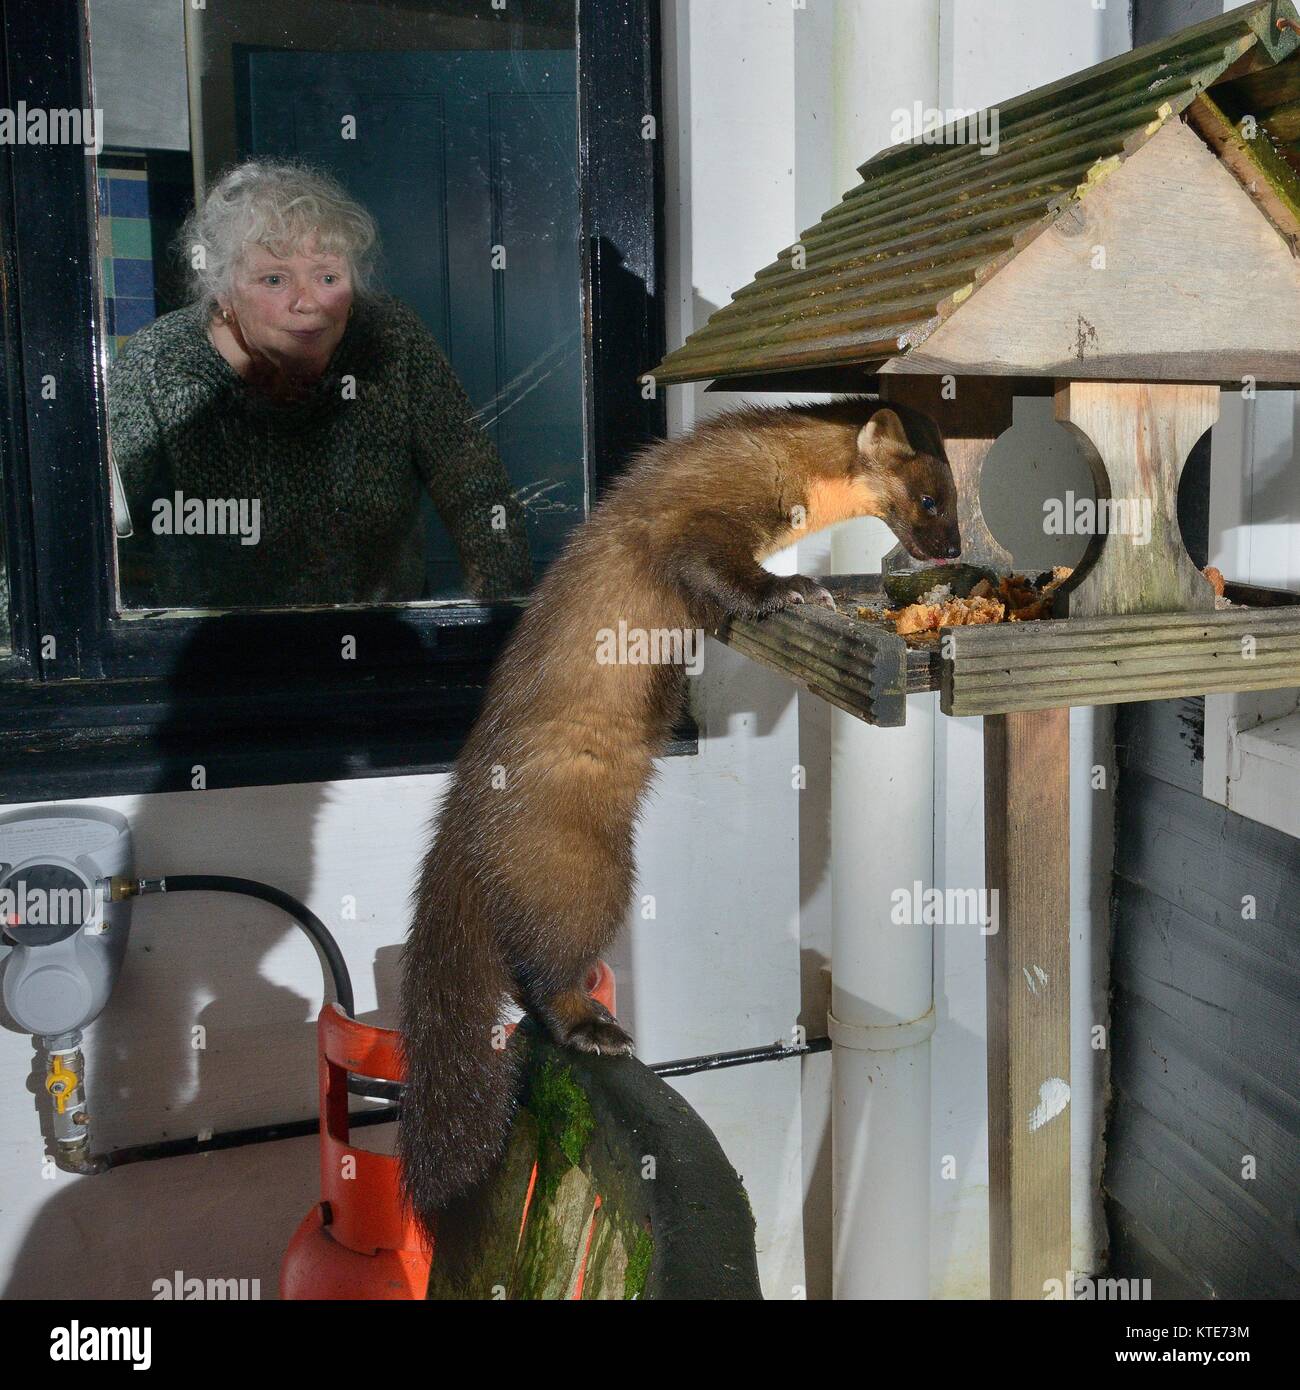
{"x": 292, "y": 310}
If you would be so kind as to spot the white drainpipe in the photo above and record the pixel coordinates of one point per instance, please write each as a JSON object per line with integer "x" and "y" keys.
{"x": 882, "y": 1006}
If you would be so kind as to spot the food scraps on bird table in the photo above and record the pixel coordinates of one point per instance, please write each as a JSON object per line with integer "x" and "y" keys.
{"x": 1013, "y": 598}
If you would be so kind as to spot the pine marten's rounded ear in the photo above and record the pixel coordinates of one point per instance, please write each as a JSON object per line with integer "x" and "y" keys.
{"x": 884, "y": 428}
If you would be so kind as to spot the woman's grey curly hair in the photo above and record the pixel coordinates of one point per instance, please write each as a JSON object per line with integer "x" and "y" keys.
{"x": 280, "y": 204}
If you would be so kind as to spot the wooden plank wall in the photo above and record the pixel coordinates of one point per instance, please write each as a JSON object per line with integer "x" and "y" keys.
{"x": 1204, "y": 1029}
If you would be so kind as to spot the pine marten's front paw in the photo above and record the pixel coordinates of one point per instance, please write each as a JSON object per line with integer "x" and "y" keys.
{"x": 605, "y": 1039}
{"x": 787, "y": 589}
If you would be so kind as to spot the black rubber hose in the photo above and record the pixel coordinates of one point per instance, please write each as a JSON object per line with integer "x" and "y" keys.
{"x": 250, "y": 888}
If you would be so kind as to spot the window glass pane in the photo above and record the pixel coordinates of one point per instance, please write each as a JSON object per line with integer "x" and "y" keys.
{"x": 339, "y": 253}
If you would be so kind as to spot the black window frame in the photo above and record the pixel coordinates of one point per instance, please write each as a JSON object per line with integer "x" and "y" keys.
{"x": 93, "y": 703}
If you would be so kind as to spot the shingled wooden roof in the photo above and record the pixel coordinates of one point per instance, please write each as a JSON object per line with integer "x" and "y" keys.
{"x": 930, "y": 225}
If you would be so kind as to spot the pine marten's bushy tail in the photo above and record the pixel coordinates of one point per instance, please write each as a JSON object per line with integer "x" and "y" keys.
{"x": 460, "y": 1090}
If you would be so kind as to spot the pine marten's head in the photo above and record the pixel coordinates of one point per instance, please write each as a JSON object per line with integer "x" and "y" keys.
{"x": 909, "y": 483}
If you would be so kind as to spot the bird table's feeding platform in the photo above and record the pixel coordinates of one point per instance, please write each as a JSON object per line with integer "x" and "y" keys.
{"x": 1129, "y": 245}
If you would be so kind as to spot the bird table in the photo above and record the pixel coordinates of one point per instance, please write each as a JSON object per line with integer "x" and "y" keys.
{"x": 1130, "y": 247}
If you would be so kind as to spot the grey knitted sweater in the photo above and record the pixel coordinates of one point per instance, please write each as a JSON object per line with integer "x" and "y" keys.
{"x": 337, "y": 475}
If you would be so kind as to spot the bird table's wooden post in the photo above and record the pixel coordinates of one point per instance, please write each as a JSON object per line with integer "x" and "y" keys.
{"x": 1027, "y": 861}
{"x": 1138, "y": 436}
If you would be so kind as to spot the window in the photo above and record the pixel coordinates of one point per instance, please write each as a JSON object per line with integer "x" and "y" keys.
{"x": 286, "y": 496}
{"x": 341, "y": 298}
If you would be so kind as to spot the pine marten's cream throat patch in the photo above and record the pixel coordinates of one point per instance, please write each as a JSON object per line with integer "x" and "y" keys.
{"x": 829, "y": 500}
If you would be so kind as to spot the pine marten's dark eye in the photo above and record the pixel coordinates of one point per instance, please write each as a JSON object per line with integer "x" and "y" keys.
{"x": 930, "y": 505}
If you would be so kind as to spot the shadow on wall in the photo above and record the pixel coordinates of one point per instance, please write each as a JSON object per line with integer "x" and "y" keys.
{"x": 195, "y": 1039}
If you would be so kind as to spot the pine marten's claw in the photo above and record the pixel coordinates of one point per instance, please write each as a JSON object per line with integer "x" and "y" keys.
{"x": 800, "y": 589}
{"x": 783, "y": 590}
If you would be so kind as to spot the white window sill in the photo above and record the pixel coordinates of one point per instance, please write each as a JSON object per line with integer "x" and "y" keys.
{"x": 1278, "y": 742}
{"x": 1263, "y": 772}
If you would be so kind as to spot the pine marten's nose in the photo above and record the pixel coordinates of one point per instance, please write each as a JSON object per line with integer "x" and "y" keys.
{"x": 952, "y": 552}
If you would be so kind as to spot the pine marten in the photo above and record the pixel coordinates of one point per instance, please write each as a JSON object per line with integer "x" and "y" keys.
{"x": 530, "y": 874}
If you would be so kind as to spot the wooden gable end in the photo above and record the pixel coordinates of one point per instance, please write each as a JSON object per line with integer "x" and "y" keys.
{"x": 1166, "y": 271}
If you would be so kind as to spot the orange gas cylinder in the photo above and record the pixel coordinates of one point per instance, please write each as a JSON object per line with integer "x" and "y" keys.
{"x": 359, "y": 1242}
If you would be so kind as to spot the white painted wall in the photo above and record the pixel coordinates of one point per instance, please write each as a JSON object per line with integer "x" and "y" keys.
{"x": 766, "y": 112}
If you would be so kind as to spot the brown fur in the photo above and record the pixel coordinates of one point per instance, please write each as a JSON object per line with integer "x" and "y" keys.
{"x": 531, "y": 872}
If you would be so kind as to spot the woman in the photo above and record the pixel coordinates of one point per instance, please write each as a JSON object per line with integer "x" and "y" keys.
{"x": 274, "y": 437}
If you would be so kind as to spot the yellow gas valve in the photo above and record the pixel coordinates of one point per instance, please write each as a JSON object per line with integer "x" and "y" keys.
{"x": 61, "y": 1083}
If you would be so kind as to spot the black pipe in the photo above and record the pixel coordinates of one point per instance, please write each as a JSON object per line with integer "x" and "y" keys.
{"x": 250, "y": 888}
{"x": 235, "y": 1139}
{"x": 717, "y": 1061}
{"x": 373, "y": 1086}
